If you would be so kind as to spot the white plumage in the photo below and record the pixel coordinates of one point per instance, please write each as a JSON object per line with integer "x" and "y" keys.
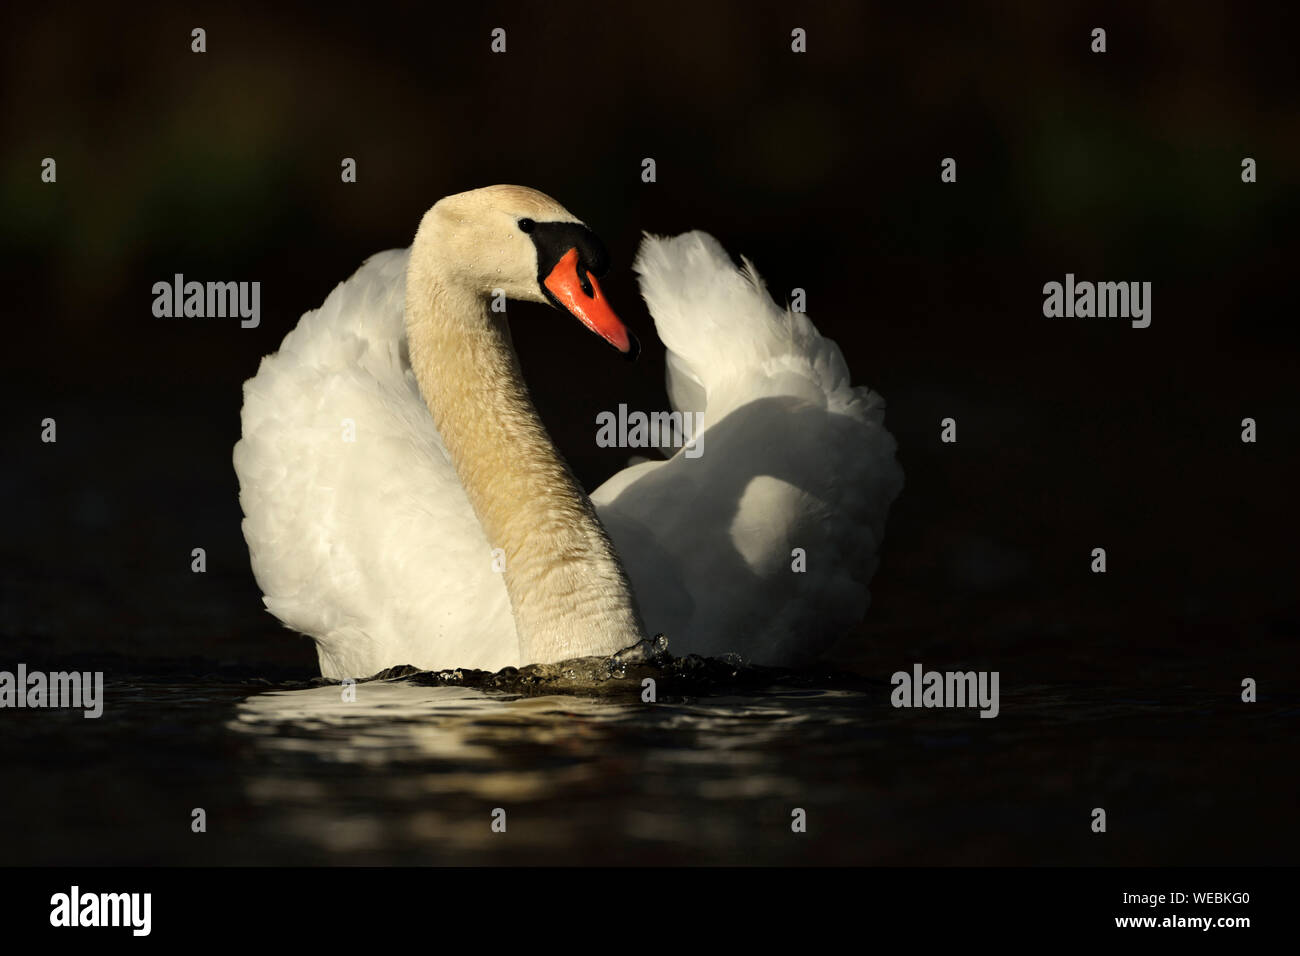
{"x": 371, "y": 546}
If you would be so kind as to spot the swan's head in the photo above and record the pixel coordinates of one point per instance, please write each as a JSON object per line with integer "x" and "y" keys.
{"x": 523, "y": 243}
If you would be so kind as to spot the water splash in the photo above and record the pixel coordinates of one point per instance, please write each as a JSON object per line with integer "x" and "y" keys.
{"x": 622, "y": 675}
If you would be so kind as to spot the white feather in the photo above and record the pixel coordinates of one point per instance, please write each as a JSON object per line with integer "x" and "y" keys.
{"x": 793, "y": 457}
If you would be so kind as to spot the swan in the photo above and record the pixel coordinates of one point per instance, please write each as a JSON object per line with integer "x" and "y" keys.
{"x": 403, "y": 503}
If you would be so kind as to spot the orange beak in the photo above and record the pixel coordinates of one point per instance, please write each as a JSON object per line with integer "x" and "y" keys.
{"x": 578, "y": 291}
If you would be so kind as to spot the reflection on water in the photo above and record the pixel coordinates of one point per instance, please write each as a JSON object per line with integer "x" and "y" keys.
{"x": 411, "y": 771}
{"x": 567, "y": 770}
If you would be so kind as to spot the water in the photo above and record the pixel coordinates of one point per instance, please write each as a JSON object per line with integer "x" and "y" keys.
{"x": 411, "y": 771}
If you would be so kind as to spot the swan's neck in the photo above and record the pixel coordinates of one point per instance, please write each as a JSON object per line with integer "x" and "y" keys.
{"x": 569, "y": 593}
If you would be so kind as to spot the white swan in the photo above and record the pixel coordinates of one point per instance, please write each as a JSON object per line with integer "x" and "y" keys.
{"x": 391, "y": 460}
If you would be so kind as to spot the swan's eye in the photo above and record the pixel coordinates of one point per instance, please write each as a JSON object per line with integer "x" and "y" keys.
{"x": 526, "y": 225}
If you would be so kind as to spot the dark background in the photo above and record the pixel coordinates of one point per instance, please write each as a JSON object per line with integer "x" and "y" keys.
{"x": 823, "y": 168}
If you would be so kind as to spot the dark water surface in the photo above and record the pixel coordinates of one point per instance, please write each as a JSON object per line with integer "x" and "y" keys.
{"x": 412, "y": 769}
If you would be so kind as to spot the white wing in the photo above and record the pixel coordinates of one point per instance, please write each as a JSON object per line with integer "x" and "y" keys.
{"x": 792, "y": 457}
{"x": 368, "y": 545}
